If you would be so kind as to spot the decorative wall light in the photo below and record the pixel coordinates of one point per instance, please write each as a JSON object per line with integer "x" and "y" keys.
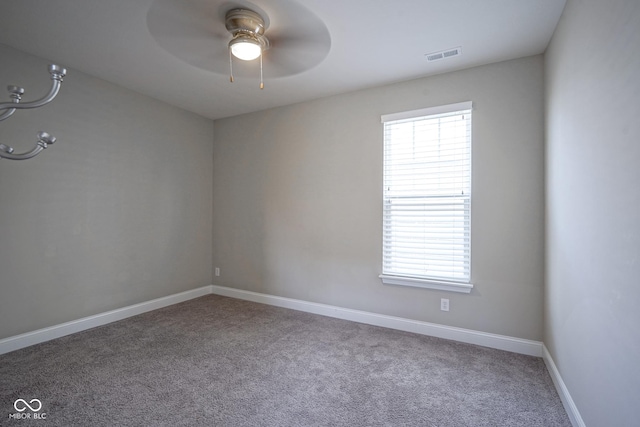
{"x": 8, "y": 108}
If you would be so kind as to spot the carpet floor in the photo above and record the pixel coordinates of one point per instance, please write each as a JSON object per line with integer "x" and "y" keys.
{"x": 217, "y": 361}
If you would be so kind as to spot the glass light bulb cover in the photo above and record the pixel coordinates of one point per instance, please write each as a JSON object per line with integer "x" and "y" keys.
{"x": 246, "y": 49}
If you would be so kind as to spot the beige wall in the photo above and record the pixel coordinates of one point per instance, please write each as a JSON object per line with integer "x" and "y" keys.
{"x": 117, "y": 212}
{"x": 297, "y": 200}
{"x": 593, "y": 208}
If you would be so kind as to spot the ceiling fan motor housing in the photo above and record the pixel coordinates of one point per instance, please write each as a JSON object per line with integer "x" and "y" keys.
{"x": 246, "y": 23}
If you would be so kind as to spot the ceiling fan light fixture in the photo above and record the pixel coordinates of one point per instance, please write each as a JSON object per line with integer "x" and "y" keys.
{"x": 248, "y": 42}
{"x": 245, "y": 47}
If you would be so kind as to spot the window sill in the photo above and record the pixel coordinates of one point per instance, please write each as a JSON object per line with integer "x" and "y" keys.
{"x": 464, "y": 288}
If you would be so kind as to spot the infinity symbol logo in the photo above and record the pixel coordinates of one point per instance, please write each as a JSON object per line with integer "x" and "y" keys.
{"x": 26, "y": 405}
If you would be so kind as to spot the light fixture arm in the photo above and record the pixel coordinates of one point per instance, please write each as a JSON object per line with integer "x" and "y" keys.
{"x": 16, "y": 92}
{"x": 44, "y": 139}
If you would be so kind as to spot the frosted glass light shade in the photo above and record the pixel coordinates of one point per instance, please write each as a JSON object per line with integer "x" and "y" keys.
{"x": 245, "y": 48}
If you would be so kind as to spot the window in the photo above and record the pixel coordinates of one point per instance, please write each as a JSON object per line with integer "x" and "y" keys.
{"x": 427, "y": 198}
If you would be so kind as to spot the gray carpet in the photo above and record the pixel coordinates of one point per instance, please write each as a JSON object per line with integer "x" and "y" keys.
{"x": 217, "y": 361}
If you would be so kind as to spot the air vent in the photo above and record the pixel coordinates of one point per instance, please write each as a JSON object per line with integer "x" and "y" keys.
{"x": 436, "y": 56}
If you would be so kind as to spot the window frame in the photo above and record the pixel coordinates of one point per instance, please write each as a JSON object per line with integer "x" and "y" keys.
{"x": 453, "y": 285}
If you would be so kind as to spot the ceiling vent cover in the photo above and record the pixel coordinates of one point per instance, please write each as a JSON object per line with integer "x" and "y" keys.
{"x": 436, "y": 56}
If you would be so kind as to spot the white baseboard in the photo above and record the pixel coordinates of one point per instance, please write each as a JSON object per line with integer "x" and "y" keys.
{"x": 563, "y": 391}
{"x": 501, "y": 342}
{"x": 30, "y": 338}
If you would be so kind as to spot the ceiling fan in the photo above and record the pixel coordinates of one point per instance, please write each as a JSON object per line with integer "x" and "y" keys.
{"x": 283, "y": 35}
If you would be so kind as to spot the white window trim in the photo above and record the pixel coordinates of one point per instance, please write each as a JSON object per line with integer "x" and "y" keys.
{"x": 442, "y": 109}
{"x": 464, "y": 288}
{"x": 461, "y": 287}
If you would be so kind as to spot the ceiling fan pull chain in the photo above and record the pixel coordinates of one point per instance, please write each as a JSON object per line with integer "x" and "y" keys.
{"x": 261, "y": 80}
{"x": 230, "y": 67}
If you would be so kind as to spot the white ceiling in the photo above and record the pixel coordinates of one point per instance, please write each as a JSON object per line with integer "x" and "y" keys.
{"x": 373, "y": 42}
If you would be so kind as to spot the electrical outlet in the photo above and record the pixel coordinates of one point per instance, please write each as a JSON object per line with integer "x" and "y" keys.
{"x": 217, "y": 271}
{"x": 444, "y": 304}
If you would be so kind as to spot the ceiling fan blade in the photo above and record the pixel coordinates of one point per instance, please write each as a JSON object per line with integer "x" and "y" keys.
{"x": 194, "y": 31}
{"x": 290, "y": 54}
{"x": 289, "y": 62}
{"x": 191, "y": 31}
{"x": 299, "y": 41}
{"x": 178, "y": 18}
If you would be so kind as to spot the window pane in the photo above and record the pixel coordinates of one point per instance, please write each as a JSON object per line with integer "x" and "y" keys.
{"x": 427, "y": 197}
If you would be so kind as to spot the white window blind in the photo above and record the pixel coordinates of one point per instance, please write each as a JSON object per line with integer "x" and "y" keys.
{"x": 427, "y": 196}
